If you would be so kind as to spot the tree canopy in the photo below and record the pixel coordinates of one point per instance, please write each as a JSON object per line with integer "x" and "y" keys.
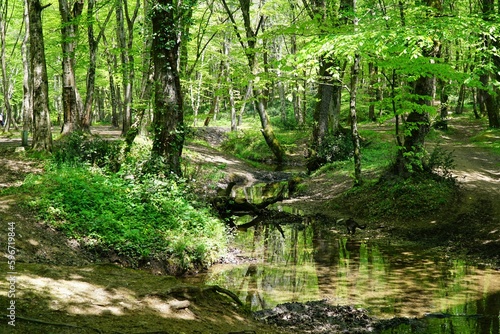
{"x": 120, "y": 61}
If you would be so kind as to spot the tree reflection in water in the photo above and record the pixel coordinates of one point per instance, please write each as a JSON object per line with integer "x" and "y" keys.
{"x": 313, "y": 261}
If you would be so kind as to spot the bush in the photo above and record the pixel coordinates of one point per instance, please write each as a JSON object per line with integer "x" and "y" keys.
{"x": 140, "y": 220}
{"x": 81, "y": 148}
{"x": 336, "y": 147}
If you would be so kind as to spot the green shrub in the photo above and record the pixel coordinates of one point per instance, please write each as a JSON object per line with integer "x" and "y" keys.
{"x": 336, "y": 147}
{"x": 81, "y": 148}
{"x": 138, "y": 219}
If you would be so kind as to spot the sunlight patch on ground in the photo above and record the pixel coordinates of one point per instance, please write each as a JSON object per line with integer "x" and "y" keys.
{"x": 79, "y": 297}
{"x": 478, "y": 178}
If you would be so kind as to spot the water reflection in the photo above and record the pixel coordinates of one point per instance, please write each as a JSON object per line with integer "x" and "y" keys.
{"x": 311, "y": 262}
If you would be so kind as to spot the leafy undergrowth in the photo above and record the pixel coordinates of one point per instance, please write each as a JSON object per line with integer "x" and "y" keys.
{"x": 136, "y": 215}
{"x": 434, "y": 213}
{"x": 400, "y": 199}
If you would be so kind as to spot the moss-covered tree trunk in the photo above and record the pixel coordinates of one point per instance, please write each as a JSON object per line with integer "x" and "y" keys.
{"x": 168, "y": 119}
{"x": 411, "y": 155}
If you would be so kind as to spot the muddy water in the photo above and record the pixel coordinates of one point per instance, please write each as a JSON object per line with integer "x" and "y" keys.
{"x": 304, "y": 262}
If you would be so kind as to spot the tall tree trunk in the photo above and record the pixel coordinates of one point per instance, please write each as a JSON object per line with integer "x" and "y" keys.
{"x": 372, "y": 91}
{"x": 42, "y": 135}
{"x": 491, "y": 98}
{"x": 146, "y": 86}
{"x": 27, "y": 82}
{"x": 354, "y": 123}
{"x": 93, "y": 44}
{"x": 122, "y": 45}
{"x": 410, "y": 157}
{"x": 230, "y": 90}
{"x": 352, "y": 110}
{"x": 72, "y": 103}
{"x": 130, "y": 63}
{"x": 214, "y": 108}
{"x": 168, "y": 121}
{"x": 3, "y": 61}
{"x": 250, "y": 51}
{"x": 112, "y": 65}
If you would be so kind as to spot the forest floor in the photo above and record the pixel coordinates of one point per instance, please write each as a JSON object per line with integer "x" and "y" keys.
{"x": 61, "y": 289}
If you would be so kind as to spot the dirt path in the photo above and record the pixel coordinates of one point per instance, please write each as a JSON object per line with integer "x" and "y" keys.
{"x": 475, "y": 168}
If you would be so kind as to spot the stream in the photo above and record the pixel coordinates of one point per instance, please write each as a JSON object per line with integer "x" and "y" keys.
{"x": 310, "y": 260}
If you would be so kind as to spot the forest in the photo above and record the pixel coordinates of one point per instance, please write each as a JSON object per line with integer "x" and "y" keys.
{"x": 158, "y": 135}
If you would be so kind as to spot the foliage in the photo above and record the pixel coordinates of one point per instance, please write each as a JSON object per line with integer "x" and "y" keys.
{"x": 247, "y": 144}
{"x": 138, "y": 213}
{"x": 377, "y": 150}
{"x": 79, "y": 148}
{"x": 441, "y": 162}
{"x": 399, "y": 198}
{"x": 140, "y": 220}
{"x": 336, "y": 147}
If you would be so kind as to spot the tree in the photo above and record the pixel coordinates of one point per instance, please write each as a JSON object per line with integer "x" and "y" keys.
{"x": 27, "y": 105}
{"x": 411, "y": 156}
{"x": 250, "y": 48}
{"x": 42, "y": 135}
{"x": 91, "y": 72}
{"x": 490, "y": 78}
{"x": 352, "y": 107}
{"x": 6, "y": 83}
{"x": 327, "y": 110}
{"x": 72, "y": 102}
{"x": 168, "y": 18}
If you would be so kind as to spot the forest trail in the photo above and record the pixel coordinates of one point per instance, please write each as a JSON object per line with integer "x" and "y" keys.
{"x": 475, "y": 168}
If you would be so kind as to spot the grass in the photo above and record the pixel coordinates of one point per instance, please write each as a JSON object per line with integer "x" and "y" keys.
{"x": 398, "y": 199}
{"x": 134, "y": 213}
{"x": 488, "y": 139}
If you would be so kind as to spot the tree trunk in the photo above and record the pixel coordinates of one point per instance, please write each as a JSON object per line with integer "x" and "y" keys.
{"x": 42, "y": 135}
{"x": 410, "y": 157}
{"x": 112, "y": 65}
{"x": 214, "y": 109}
{"x": 27, "y": 82}
{"x": 354, "y": 123}
{"x": 372, "y": 91}
{"x": 352, "y": 111}
{"x": 491, "y": 98}
{"x": 6, "y": 85}
{"x": 168, "y": 121}
{"x": 250, "y": 51}
{"x": 93, "y": 44}
{"x": 227, "y": 68}
{"x": 72, "y": 103}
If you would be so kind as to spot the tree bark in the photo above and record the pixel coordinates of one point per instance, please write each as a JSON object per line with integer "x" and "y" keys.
{"x": 168, "y": 121}
{"x": 27, "y": 82}
{"x": 6, "y": 85}
{"x": 42, "y": 135}
{"x": 93, "y": 44}
{"x": 490, "y": 93}
{"x": 410, "y": 157}
{"x": 72, "y": 103}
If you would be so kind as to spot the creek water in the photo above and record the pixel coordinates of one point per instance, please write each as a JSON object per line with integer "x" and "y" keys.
{"x": 310, "y": 261}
